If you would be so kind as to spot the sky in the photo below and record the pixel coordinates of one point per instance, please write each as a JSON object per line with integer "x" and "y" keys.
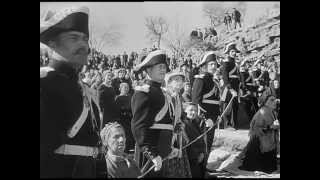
{"x": 129, "y": 18}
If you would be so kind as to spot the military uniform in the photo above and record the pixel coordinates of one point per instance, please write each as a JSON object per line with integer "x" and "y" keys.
{"x": 69, "y": 124}
{"x": 151, "y": 125}
{"x": 69, "y": 113}
{"x": 231, "y": 80}
{"x": 206, "y": 94}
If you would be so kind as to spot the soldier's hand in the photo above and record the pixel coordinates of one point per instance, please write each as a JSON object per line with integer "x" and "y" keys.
{"x": 209, "y": 123}
{"x": 157, "y": 162}
{"x": 233, "y": 92}
{"x": 174, "y": 153}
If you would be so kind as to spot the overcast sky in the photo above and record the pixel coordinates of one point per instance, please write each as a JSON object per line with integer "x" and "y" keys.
{"x": 129, "y": 16}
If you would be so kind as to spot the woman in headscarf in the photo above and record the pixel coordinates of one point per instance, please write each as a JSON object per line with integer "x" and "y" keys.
{"x": 261, "y": 151}
{"x": 119, "y": 164}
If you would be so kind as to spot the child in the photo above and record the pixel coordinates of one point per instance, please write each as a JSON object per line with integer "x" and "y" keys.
{"x": 194, "y": 127}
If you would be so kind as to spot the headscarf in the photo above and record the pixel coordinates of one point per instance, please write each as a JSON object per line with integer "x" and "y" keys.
{"x": 105, "y": 132}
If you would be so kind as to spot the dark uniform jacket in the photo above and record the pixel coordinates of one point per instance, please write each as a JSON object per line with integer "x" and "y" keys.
{"x": 247, "y": 81}
{"x": 206, "y": 93}
{"x": 230, "y": 74}
{"x": 149, "y": 101}
{"x": 61, "y": 104}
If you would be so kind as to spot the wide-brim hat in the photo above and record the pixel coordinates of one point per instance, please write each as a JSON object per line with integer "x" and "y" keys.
{"x": 68, "y": 19}
{"x": 153, "y": 58}
{"x": 207, "y": 57}
{"x": 229, "y": 47}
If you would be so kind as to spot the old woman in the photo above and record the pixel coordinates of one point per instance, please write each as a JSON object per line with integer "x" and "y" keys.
{"x": 261, "y": 151}
{"x": 119, "y": 164}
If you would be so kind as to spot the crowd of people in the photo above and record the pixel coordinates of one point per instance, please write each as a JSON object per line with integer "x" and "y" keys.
{"x": 145, "y": 111}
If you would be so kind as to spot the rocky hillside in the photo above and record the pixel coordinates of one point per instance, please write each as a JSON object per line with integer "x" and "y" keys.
{"x": 259, "y": 40}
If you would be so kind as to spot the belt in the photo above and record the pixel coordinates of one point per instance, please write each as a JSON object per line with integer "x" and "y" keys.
{"x": 233, "y": 76}
{"x": 250, "y": 84}
{"x": 207, "y": 101}
{"x": 162, "y": 126}
{"x": 77, "y": 150}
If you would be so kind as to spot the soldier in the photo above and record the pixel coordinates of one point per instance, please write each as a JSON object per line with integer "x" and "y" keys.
{"x": 231, "y": 83}
{"x": 152, "y": 125}
{"x": 206, "y": 93}
{"x": 69, "y": 114}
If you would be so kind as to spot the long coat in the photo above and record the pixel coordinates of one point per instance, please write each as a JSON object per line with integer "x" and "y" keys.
{"x": 62, "y": 100}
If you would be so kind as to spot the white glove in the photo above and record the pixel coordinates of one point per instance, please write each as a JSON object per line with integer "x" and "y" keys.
{"x": 157, "y": 162}
{"x": 233, "y": 92}
{"x": 174, "y": 153}
{"x": 276, "y": 123}
{"x": 209, "y": 123}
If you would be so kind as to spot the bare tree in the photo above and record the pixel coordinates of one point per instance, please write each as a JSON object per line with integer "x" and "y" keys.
{"x": 111, "y": 36}
{"x": 157, "y": 26}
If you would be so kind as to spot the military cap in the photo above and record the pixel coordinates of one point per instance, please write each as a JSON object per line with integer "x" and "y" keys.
{"x": 207, "y": 57}
{"x": 153, "y": 58}
{"x": 68, "y": 19}
{"x": 229, "y": 47}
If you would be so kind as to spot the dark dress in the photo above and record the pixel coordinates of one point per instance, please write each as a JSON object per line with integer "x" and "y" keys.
{"x": 106, "y": 95}
{"x": 260, "y": 154}
{"x": 123, "y": 103}
{"x": 193, "y": 129}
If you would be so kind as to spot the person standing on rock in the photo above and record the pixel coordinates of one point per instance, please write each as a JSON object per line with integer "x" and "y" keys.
{"x": 206, "y": 93}
{"x": 236, "y": 16}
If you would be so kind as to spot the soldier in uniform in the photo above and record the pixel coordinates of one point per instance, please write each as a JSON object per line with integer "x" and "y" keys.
{"x": 69, "y": 114}
{"x": 152, "y": 125}
{"x": 206, "y": 93}
{"x": 231, "y": 83}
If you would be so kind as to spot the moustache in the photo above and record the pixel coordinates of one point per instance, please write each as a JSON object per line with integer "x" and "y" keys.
{"x": 82, "y": 51}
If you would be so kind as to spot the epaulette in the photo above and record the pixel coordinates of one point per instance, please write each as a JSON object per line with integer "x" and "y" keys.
{"x": 199, "y": 76}
{"x": 44, "y": 71}
{"x": 143, "y": 88}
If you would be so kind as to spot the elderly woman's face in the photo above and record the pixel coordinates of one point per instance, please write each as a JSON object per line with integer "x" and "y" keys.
{"x": 271, "y": 102}
{"x": 116, "y": 141}
{"x": 176, "y": 82}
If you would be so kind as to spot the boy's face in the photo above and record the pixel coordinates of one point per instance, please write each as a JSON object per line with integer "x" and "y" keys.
{"x": 191, "y": 111}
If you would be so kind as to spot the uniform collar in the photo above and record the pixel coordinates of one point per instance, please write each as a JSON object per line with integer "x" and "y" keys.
{"x": 154, "y": 83}
{"x": 64, "y": 68}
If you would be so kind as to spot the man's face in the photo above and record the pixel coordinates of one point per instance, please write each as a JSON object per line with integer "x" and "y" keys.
{"x": 191, "y": 111}
{"x": 157, "y": 72}
{"x": 232, "y": 53}
{"x": 73, "y": 46}
{"x": 108, "y": 77}
{"x": 117, "y": 141}
{"x": 212, "y": 66}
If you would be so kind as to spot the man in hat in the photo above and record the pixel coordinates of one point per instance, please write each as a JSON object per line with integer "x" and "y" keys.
{"x": 206, "y": 93}
{"x": 69, "y": 114}
{"x": 152, "y": 125}
{"x": 231, "y": 83}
